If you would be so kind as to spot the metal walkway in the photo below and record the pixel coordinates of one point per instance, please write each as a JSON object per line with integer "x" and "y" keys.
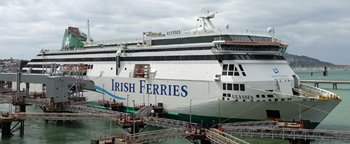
{"x": 274, "y": 131}
{"x": 220, "y": 137}
{"x": 144, "y": 137}
{"x": 144, "y": 111}
{"x": 333, "y": 82}
{"x": 62, "y": 116}
{"x": 157, "y": 135}
{"x": 166, "y": 123}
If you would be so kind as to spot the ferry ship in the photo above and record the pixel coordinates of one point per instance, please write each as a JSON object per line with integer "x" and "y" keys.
{"x": 205, "y": 75}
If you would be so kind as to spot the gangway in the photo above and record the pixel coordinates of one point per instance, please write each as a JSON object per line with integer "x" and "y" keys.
{"x": 166, "y": 123}
{"x": 144, "y": 111}
{"x": 154, "y": 136}
{"x": 58, "y": 86}
{"x": 81, "y": 108}
{"x": 145, "y": 137}
{"x": 288, "y": 133}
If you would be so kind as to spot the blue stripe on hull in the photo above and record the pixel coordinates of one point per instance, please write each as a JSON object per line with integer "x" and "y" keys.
{"x": 108, "y": 93}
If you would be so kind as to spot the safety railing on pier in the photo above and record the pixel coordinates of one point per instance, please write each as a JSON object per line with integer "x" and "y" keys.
{"x": 220, "y": 137}
{"x": 165, "y": 123}
{"x": 334, "y": 83}
{"x": 157, "y": 135}
{"x": 288, "y": 133}
{"x": 267, "y": 123}
{"x": 91, "y": 110}
{"x": 64, "y": 116}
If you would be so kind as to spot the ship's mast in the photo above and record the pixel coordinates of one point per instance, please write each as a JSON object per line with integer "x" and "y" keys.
{"x": 88, "y": 39}
{"x": 207, "y": 25}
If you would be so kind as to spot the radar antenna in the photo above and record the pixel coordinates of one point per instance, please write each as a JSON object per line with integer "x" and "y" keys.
{"x": 271, "y": 31}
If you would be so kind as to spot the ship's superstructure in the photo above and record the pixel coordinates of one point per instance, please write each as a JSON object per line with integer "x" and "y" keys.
{"x": 206, "y": 74}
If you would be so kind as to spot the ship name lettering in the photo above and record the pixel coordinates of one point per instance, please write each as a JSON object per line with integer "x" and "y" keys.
{"x": 244, "y": 97}
{"x": 123, "y": 87}
{"x": 149, "y": 88}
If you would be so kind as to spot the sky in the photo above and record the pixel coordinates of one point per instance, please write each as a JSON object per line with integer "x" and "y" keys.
{"x": 315, "y": 28}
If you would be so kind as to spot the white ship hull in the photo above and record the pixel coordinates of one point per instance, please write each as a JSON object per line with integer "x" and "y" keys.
{"x": 208, "y": 106}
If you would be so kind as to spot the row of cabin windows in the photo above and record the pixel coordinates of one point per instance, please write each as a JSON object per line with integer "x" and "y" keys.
{"x": 263, "y": 96}
{"x": 250, "y": 38}
{"x": 251, "y": 48}
{"x": 232, "y": 70}
{"x": 234, "y": 87}
{"x": 201, "y": 39}
{"x": 206, "y": 39}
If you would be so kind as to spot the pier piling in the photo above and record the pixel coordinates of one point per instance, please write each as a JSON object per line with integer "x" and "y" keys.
{"x": 6, "y": 130}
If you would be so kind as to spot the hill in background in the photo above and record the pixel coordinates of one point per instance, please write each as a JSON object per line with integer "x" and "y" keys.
{"x": 304, "y": 61}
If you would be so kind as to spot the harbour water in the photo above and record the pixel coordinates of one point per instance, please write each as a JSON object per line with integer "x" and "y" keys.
{"x": 37, "y": 132}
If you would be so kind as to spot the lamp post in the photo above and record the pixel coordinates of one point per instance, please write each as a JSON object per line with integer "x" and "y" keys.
{"x": 133, "y": 101}
{"x": 103, "y": 94}
{"x": 219, "y": 112}
{"x": 190, "y": 111}
{"x": 127, "y": 103}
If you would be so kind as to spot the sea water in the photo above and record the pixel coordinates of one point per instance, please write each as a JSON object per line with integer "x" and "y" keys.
{"x": 39, "y": 132}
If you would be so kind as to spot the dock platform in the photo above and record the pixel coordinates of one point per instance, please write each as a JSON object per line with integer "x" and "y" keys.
{"x": 334, "y": 83}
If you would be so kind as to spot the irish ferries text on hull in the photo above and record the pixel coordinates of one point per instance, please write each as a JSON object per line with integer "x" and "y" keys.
{"x": 155, "y": 89}
{"x": 233, "y": 75}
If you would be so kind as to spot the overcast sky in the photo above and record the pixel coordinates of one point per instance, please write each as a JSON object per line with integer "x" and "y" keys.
{"x": 315, "y": 28}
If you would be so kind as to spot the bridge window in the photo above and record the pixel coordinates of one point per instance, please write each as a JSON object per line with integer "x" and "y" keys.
{"x": 235, "y": 87}
{"x": 232, "y": 70}
{"x": 242, "y": 70}
{"x": 229, "y": 86}
{"x": 242, "y": 87}
{"x": 224, "y": 69}
{"x": 236, "y": 72}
